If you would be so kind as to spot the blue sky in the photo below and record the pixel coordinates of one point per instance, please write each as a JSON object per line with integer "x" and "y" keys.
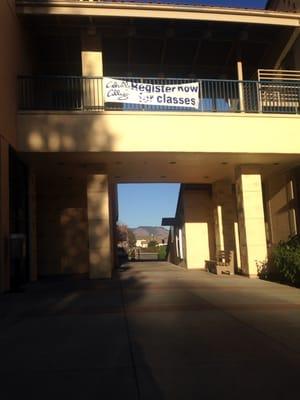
{"x": 229, "y": 3}
{"x": 146, "y": 204}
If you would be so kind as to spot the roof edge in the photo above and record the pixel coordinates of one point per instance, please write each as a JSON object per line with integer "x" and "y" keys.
{"x": 159, "y": 6}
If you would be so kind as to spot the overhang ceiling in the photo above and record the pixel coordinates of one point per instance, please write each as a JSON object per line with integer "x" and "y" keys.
{"x": 157, "y": 48}
{"x": 157, "y": 167}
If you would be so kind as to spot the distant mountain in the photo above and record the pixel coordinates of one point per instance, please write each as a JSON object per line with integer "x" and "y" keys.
{"x": 149, "y": 232}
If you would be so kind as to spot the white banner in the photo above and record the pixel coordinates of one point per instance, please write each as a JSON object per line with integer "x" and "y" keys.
{"x": 122, "y": 91}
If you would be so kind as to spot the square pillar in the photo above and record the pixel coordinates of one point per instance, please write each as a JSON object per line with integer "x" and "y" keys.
{"x": 32, "y": 225}
{"x": 99, "y": 227}
{"x": 224, "y": 215}
{"x": 251, "y": 219}
{"x": 4, "y": 217}
{"x": 113, "y": 201}
{"x": 92, "y": 68}
{"x": 196, "y": 240}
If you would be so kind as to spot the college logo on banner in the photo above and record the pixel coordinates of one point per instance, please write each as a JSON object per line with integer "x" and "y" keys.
{"x": 122, "y": 91}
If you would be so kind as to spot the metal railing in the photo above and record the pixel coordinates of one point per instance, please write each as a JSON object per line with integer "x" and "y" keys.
{"x": 278, "y": 75}
{"x": 76, "y": 93}
{"x": 60, "y": 93}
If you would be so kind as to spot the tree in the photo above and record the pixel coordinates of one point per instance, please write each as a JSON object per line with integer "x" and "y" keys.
{"x": 122, "y": 233}
{"x": 131, "y": 238}
{"x": 152, "y": 244}
{"x": 162, "y": 253}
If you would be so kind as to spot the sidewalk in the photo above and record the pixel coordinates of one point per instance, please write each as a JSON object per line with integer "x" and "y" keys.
{"x": 153, "y": 332}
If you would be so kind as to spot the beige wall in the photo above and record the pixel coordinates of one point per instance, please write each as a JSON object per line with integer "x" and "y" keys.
{"x": 32, "y": 233}
{"x": 281, "y": 206}
{"x": 121, "y": 131}
{"x": 75, "y": 225}
{"x": 113, "y": 198}
{"x": 100, "y": 229}
{"x": 173, "y": 243}
{"x": 11, "y": 63}
{"x": 225, "y": 216}
{"x": 9, "y": 44}
{"x": 62, "y": 226}
{"x": 171, "y": 247}
{"x": 91, "y": 54}
{"x": 199, "y": 229}
{"x": 4, "y": 216}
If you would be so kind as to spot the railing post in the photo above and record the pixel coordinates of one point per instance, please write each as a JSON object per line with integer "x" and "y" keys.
{"x": 201, "y": 96}
{"x": 259, "y": 97}
{"x": 143, "y": 106}
{"x": 241, "y": 96}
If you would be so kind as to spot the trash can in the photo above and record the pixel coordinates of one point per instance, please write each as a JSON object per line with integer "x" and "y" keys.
{"x": 18, "y": 256}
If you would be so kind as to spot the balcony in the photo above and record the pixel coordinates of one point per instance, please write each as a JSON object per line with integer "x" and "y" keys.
{"x": 86, "y": 94}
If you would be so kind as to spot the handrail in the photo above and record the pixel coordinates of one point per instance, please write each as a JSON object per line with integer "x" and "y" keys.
{"x": 278, "y": 75}
{"x": 78, "y": 93}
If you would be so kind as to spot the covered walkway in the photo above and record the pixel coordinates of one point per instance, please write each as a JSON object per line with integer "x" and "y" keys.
{"x": 154, "y": 331}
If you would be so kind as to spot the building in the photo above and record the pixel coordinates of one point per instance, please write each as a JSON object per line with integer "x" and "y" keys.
{"x": 142, "y": 243}
{"x": 291, "y": 57}
{"x": 284, "y": 5}
{"x": 65, "y": 146}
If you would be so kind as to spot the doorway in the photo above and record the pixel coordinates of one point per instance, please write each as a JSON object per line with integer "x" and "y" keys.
{"x": 141, "y": 208}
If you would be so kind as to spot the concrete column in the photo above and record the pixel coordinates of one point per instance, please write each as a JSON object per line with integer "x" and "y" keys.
{"x": 198, "y": 228}
{"x": 240, "y": 74}
{"x": 92, "y": 66}
{"x": 32, "y": 225}
{"x": 99, "y": 225}
{"x": 224, "y": 215}
{"x": 113, "y": 204}
{"x": 4, "y": 216}
{"x": 253, "y": 245}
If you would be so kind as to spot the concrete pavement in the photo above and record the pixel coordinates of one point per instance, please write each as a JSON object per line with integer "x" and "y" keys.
{"x": 153, "y": 332}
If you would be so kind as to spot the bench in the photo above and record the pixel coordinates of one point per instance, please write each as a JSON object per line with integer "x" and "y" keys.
{"x": 223, "y": 265}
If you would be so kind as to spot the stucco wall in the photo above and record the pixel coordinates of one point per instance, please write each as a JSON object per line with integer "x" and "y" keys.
{"x": 8, "y": 70}
{"x": 62, "y": 226}
{"x": 281, "y": 206}
{"x": 169, "y": 131}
